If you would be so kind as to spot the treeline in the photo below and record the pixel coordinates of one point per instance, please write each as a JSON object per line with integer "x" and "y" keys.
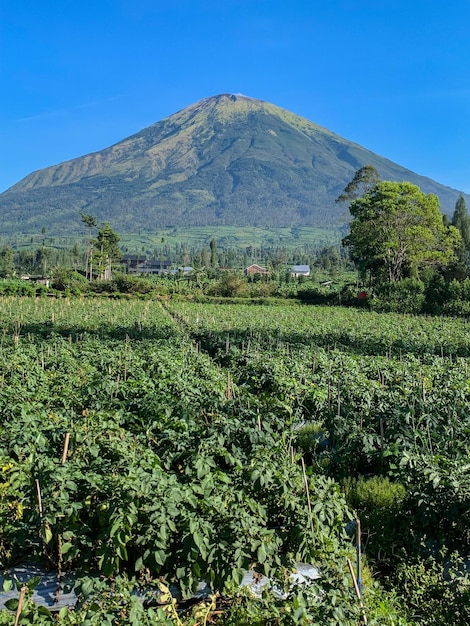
{"x": 47, "y": 260}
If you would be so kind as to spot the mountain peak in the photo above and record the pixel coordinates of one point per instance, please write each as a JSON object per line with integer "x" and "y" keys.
{"x": 228, "y": 159}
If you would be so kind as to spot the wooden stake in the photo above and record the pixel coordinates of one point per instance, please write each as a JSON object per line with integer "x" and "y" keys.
{"x": 358, "y": 557}
{"x": 20, "y": 604}
{"x": 38, "y": 489}
{"x": 356, "y": 589}
{"x": 66, "y": 448}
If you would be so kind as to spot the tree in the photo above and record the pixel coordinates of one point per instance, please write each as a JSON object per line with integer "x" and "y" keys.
{"x": 90, "y": 221}
{"x": 7, "y": 262}
{"x": 43, "y": 255}
{"x": 461, "y": 221}
{"x": 364, "y": 180}
{"x": 108, "y": 250}
{"x": 397, "y": 229}
{"x": 214, "y": 258}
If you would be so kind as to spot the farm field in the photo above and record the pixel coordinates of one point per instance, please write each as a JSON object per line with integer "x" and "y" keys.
{"x": 150, "y": 444}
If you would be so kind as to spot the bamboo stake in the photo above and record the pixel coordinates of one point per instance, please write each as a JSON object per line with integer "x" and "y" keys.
{"x": 20, "y": 604}
{"x": 356, "y": 589}
{"x": 66, "y": 448}
{"x": 38, "y": 489}
{"x": 359, "y": 555}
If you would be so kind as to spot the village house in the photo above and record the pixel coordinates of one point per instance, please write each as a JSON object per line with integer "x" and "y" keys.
{"x": 132, "y": 261}
{"x": 300, "y": 270}
{"x": 154, "y": 266}
{"x": 255, "y": 269}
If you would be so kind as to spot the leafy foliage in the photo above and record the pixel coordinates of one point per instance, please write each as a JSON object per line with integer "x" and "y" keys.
{"x": 186, "y": 428}
{"x": 397, "y": 229}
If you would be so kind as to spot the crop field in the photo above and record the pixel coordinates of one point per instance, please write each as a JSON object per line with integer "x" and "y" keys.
{"x": 147, "y": 445}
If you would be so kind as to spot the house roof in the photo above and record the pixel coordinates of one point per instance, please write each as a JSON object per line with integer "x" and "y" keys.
{"x": 300, "y": 268}
{"x": 256, "y": 266}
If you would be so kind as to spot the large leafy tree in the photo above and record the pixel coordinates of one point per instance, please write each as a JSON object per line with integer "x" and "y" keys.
{"x": 397, "y": 229}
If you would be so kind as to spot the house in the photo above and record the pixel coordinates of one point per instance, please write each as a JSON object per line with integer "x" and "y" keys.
{"x": 300, "y": 270}
{"x": 154, "y": 266}
{"x": 181, "y": 270}
{"x": 255, "y": 269}
{"x": 38, "y": 280}
{"x": 132, "y": 261}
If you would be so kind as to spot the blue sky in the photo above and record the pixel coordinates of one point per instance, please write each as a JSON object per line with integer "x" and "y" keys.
{"x": 391, "y": 75}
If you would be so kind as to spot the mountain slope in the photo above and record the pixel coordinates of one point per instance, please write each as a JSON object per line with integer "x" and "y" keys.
{"x": 226, "y": 160}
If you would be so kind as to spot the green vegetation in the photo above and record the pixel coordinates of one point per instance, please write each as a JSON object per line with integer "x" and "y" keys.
{"x": 160, "y": 431}
{"x": 207, "y": 439}
{"x": 397, "y": 230}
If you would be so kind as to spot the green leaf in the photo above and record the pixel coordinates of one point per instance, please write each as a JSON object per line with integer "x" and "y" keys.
{"x": 160, "y": 557}
{"x": 44, "y": 611}
{"x": 262, "y": 553}
{"x": 115, "y": 527}
{"x": 12, "y": 604}
{"x": 47, "y": 534}
{"x": 199, "y": 541}
{"x": 33, "y": 582}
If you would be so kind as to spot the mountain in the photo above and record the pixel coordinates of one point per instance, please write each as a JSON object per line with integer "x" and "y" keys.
{"x": 226, "y": 160}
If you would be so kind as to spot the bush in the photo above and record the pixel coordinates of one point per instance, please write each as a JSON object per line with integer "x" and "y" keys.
{"x": 404, "y": 296}
{"x": 315, "y": 294}
{"x": 231, "y": 285}
{"x": 133, "y": 284}
{"x": 435, "y": 591}
{"x": 12, "y": 287}
{"x": 67, "y": 279}
{"x": 379, "y": 504}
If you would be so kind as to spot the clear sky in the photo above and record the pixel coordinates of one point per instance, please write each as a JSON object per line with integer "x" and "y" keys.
{"x": 391, "y": 75}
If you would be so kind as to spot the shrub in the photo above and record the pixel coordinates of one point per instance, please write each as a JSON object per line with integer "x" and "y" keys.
{"x": 379, "y": 504}
{"x": 133, "y": 284}
{"x": 404, "y": 296}
{"x": 67, "y": 279}
{"x": 435, "y": 591}
{"x": 231, "y": 285}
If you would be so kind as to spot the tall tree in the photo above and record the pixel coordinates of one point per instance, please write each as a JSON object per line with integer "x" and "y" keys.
{"x": 214, "y": 257}
{"x": 461, "y": 221}
{"x": 397, "y": 229}
{"x": 108, "y": 250}
{"x": 90, "y": 222}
